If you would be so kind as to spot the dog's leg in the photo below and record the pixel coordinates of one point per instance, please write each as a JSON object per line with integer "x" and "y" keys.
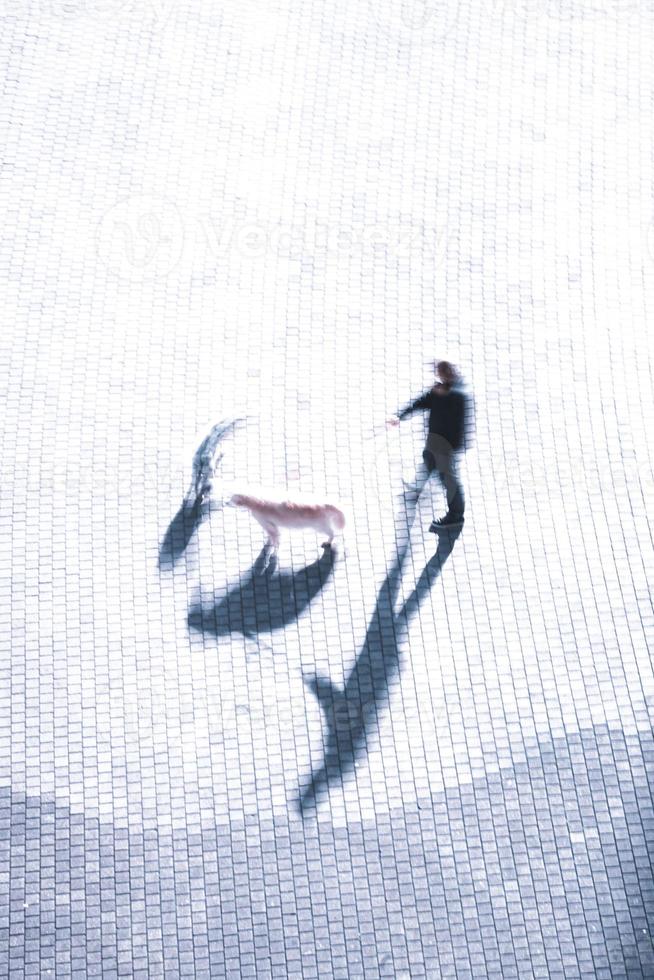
{"x": 272, "y": 544}
{"x": 273, "y": 535}
{"x": 271, "y": 530}
{"x": 328, "y": 529}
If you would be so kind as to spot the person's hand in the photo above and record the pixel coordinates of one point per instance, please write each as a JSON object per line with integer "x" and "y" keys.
{"x": 392, "y": 422}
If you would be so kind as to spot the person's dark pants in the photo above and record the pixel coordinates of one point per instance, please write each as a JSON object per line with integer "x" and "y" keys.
{"x": 444, "y": 463}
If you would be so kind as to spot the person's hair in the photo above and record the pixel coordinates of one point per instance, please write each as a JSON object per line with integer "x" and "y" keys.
{"x": 448, "y": 369}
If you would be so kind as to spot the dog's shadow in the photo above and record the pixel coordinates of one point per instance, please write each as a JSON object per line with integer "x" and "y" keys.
{"x": 263, "y": 603}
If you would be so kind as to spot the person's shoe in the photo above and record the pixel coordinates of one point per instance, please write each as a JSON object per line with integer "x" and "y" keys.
{"x": 446, "y": 523}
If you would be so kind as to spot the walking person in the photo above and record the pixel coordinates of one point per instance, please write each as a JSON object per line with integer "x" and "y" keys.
{"x": 448, "y": 406}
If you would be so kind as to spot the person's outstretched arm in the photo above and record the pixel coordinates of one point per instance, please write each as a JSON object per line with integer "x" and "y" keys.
{"x": 420, "y": 403}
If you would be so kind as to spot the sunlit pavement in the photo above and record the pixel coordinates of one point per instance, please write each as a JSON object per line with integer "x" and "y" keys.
{"x": 415, "y": 757}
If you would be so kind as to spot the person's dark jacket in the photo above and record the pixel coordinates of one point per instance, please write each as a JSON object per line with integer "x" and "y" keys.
{"x": 447, "y": 414}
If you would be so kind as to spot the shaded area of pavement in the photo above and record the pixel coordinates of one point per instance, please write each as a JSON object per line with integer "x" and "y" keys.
{"x": 546, "y": 865}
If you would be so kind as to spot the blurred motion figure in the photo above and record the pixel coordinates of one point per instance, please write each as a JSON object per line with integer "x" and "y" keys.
{"x": 449, "y": 414}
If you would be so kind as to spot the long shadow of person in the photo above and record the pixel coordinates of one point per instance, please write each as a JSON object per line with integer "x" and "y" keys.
{"x": 352, "y": 712}
{"x": 263, "y": 603}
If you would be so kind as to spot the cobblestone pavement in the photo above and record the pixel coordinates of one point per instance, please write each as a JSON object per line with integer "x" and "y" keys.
{"x": 413, "y": 758}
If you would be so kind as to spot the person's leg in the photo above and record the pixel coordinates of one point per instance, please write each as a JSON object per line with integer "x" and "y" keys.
{"x": 422, "y": 474}
{"x": 447, "y": 469}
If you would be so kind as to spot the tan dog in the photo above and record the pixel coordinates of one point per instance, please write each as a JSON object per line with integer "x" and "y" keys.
{"x": 275, "y": 515}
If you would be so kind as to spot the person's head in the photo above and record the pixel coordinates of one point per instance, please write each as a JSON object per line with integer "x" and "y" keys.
{"x": 446, "y": 373}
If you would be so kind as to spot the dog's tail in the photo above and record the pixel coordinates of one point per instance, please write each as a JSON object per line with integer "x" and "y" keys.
{"x": 337, "y": 516}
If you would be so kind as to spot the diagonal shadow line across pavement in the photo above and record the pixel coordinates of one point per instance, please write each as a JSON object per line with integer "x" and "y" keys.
{"x": 352, "y": 712}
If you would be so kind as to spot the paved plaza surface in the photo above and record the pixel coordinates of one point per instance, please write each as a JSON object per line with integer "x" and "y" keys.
{"x": 417, "y": 756}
